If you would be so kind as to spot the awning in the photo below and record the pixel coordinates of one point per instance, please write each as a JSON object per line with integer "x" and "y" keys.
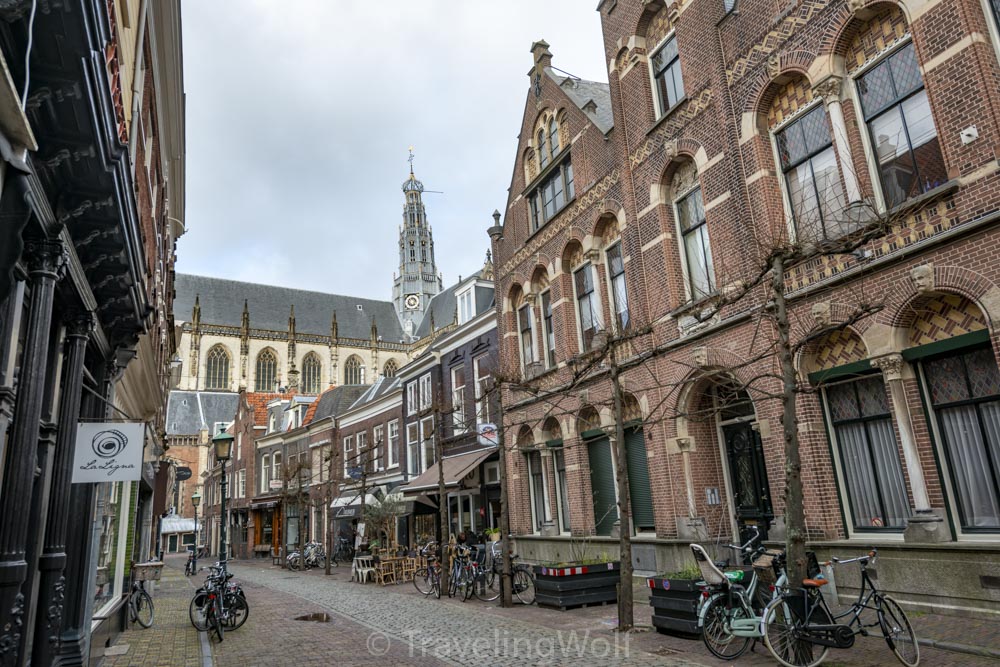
{"x": 176, "y": 524}
{"x": 353, "y": 499}
{"x": 455, "y": 468}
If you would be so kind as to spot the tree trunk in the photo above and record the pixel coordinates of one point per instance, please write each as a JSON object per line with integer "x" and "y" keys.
{"x": 506, "y": 583}
{"x": 795, "y": 521}
{"x": 442, "y": 502}
{"x": 625, "y": 620}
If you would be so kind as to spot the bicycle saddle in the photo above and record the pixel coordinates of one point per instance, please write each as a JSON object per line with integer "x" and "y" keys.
{"x": 814, "y": 583}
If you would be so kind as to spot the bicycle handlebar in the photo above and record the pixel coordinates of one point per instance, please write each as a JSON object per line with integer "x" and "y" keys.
{"x": 844, "y": 561}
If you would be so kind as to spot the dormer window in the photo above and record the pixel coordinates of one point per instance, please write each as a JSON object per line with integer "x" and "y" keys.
{"x": 466, "y": 305}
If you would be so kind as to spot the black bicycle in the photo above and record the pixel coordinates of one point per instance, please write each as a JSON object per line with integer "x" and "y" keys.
{"x": 799, "y": 628}
{"x": 140, "y": 605}
{"x": 344, "y": 553}
{"x": 219, "y": 605}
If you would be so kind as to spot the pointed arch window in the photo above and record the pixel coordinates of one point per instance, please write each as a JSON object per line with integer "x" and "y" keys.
{"x": 390, "y": 368}
{"x": 543, "y": 153}
{"x": 217, "y": 368}
{"x": 553, "y": 136}
{"x": 353, "y": 371}
{"x": 266, "y": 372}
{"x": 312, "y": 371}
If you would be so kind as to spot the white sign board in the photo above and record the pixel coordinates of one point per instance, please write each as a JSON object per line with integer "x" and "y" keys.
{"x": 108, "y": 452}
{"x": 487, "y": 435}
{"x": 274, "y": 484}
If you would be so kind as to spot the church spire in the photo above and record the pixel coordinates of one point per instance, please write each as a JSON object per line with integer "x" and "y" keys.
{"x": 418, "y": 279}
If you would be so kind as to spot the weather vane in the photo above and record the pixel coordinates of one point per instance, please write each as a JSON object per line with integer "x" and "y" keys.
{"x": 410, "y": 159}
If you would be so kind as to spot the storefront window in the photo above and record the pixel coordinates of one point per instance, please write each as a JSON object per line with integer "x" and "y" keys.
{"x": 113, "y": 507}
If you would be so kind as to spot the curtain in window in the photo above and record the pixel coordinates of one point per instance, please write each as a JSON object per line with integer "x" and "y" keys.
{"x": 537, "y": 488}
{"x": 972, "y": 471}
{"x": 559, "y": 458}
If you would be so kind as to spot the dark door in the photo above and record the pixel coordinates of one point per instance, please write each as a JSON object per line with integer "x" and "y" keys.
{"x": 602, "y": 484}
{"x": 748, "y": 476}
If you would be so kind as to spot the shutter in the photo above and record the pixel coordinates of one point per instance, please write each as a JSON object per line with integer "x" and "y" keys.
{"x": 602, "y": 483}
{"x": 638, "y": 479}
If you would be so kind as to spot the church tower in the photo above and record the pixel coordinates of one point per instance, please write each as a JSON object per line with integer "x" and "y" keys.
{"x": 418, "y": 280}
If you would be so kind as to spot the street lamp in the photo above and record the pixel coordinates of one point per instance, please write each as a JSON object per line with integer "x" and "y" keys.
{"x": 223, "y": 444}
{"x": 195, "y": 501}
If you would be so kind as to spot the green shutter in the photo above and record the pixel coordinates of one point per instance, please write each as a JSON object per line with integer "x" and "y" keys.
{"x": 602, "y": 483}
{"x": 638, "y": 480}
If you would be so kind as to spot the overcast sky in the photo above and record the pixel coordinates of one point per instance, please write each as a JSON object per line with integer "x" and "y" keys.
{"x": 300, "y": 112}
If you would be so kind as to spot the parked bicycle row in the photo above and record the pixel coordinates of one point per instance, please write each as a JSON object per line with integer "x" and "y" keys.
{"x": 220, "y": 605}
{"x": 757, "y": 602}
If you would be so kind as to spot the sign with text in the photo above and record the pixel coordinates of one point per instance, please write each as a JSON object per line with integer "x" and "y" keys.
{"x": 487, "y": 435}
{"x": 182, "y": 473}
{"x": 108, "y": 452}
{"x": 275, "y": 484}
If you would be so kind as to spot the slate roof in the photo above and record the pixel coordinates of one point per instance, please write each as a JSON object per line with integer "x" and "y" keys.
{"x": 222, "y": 303}
{"x": 444, "y": 304}
{"x": 333, "y": 402}
{"x": 582, "y": 92}
{"x": 189, "y": 412}
{"x": 381, "y": 387}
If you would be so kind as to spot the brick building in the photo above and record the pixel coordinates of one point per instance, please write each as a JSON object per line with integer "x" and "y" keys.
{"x": 637, "y": 207}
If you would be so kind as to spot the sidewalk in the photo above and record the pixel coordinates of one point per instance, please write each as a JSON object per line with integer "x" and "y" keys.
{"x": 172, "y": 641}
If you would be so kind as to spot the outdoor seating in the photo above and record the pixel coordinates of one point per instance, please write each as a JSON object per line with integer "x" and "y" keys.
{"x": 408, "y": 568}
{"x": 385, "y": 571}
{"x": 363, "y": 569}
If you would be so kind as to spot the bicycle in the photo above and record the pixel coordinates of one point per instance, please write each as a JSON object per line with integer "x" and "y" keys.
{"x": 522, "y": 576}
{"x": 799, "y": 621}
{"x": 235, "y": 608}
{"x": 461, "y": 576}
{"x": 140, "y": 605}
{"x": 427, "y": 579}
{"x": 343, "y": 553}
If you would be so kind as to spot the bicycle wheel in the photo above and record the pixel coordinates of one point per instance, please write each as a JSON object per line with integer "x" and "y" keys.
{"x": 295, "y": 563}
{"x": 422, "y": 581}
{"x": 237, "y": 611}
{"x": 142, "y": 607}
{"x": 716, "y": 629}
{"x": 215, "y": 618}
{"x": 524, "y": 586}
{"x": 781, "y": 637}
{"x": 898, "y": 632}
{"x": 197, "y": 611}
{"x": 488, "y": 586}
{"x": 436, "y": 582}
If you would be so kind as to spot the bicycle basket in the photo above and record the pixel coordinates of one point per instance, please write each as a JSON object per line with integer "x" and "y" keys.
{"x": 765, "y": 568}
{"x": 147, "y": 571}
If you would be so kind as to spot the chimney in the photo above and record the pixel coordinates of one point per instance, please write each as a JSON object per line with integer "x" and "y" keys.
{"x": 541, "y": 56}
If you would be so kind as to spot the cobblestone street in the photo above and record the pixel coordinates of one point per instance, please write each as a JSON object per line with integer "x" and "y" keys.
{"x": 305, "y": 619}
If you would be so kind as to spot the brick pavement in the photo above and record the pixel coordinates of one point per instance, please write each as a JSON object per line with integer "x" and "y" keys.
{"x": 172, "y": 641}
{"x": 440, "y": 626}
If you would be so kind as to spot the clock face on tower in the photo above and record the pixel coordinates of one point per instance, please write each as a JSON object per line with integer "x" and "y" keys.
{"x": 412, "y": 301}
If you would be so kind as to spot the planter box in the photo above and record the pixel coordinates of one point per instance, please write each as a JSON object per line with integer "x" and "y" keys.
{"x": 675, "y": 604}
{"x": 577, "y": 585}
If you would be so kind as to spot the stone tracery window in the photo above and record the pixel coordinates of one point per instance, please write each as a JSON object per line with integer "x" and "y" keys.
{"x": 353, "y": 371}
{"x": 217, "y": 368}
{"x": 390, "y": 368}
{"x": 312, "y": 371}
{"x": 266, "y": 371}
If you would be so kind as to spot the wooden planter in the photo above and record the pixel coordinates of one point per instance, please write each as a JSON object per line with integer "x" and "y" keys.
{"x": 577, "y": 585}
{"x": 675, "y": 604}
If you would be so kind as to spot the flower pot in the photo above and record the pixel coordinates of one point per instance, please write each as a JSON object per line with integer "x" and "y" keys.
{"x": 568, "y": 586}
{"x": 675, "y": 604}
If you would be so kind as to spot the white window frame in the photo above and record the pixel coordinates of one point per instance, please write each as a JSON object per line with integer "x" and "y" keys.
{"x": 466, "y": 304}
{"x": 265, "y": 478}
{"x": 348, "y": 448}
{"x": 526, "y": 312}
{"x": 548, "y": 351}
{"x": 276, "y": 459}
{"x": 657, "y": 103}
{"x": 482, "y": 400}
{"x": 241, "y": 483}
{"x": 458, "y": 418}
{"x": 393, "y": 444}
{"x": 378, "y": 433}
{"x": 598, "y": 307}
{"x": 239, "y": 445}
{"x": 491, "y": 472}
{"x": 686, "y": 270}
{"x": 786, "y": 202}
{"x": 425, "y": 391}
{"x": 360, "y": 445}
{"x": 612, "y": 301}
{"x": 411, "y": 398}
{"x": 425, "y": 443}
{"x": 413, "y": 448}
{"x": 559, "y": 498}
{"x": 536, "y": 525}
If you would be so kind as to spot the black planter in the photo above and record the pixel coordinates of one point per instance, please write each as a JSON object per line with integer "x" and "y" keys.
{"x": 675, "y": 604}
{"x": 576, "y": 585}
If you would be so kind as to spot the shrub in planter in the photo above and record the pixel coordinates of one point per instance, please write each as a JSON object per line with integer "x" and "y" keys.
{"x": 674, "y": 598}
{"x": 566, "y": 585}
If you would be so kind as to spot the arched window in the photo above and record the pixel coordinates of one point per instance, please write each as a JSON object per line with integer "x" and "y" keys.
{"x": 311, "y": 374}
{"x": 695, "y": 249}
{"x": 267, "y": 371}
{"x": 553, "y": 136}
{"x": 390, "y": 368}
{"x": 543, "y": 153}
{"x": 217, "y": 368}
{"x": 353, "y": 371}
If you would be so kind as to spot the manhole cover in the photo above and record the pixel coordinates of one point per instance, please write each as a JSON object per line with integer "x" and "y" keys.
{"x": 319, "y": 617}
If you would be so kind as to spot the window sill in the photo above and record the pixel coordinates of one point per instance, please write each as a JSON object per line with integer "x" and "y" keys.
{"x": 665, "y": 115}
{"x": 942, "y": 190}
{"x": 691, "y": 306}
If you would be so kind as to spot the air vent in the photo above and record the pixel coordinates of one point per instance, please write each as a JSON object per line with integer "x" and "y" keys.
{"x": 359, "y": 307}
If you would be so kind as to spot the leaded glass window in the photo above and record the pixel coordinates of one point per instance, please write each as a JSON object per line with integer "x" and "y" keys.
{"x": 266, "y": 372}
{"x": 217, "y": 368}
{"x": 901, "y": 126}
{"x": 586, "y": 303}
{"x": 667, "y": 79}
{"x": 869, "y": 454}
{"x": 352, "y": 371}
{"x": 965, "y": 391}
{"x": 311, "y": 374}
{"x": 619, "y": 295}
{"x": 694, "y": 239}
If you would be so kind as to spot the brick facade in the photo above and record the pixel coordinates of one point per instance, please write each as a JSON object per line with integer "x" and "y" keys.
{"x": 747, "y": 77}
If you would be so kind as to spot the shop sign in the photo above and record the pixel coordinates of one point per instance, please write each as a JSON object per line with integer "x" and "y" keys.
{"x": 108, "y": 452}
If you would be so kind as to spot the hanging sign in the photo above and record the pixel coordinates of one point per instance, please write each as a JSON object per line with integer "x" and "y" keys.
{"x": 487, "y": 435}
{"x": 182, "y": 473}
{"x": 108, "y": 452}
